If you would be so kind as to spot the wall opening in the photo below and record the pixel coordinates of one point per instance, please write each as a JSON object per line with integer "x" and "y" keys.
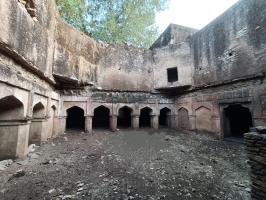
{"x": 124, "y": 117}
{"x": 38, "y": 111}
{"x": 101, "y": 117}
{"x": 237, "y": 120}
{"x": 164, "y": 120}
{"x": 172, "y": 74}
{"x": 11, "y": 108}
{"x": 75, "y": 118}
{"x": 144, "y": 118}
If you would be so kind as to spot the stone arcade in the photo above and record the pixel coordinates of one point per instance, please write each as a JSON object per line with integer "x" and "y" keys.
{"x": 54, "y": 77}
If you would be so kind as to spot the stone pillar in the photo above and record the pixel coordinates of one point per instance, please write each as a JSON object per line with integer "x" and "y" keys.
{"x": 135, "y": 121}
{"x": 256, "y": 152}
{"x": 37, "y": 132}
{"x": 88, "y": 124}
{"x": 62, "y": 124}
{"x": 30, "y": 102}
{"x": 176, "y": 121}
{"x": 55, "y": 126}
{"x": 113, "y": 123}
{"x": 154, "y": 121}
{"x": 15, "y": 144}
{"x": 192, "y": 122}
{"x": 172, "y": 121}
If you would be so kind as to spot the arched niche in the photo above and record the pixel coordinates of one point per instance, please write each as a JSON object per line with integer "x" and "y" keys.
{"x": 164, "y": 117}
{"x": 144, "y": 118}
{"x": 38, "y": 111}
{"x": 183, "y": 118}
{"x": 124, "y": 117}
{"x": 101, "y": 117}
{"x": 203, "y": 119}
{"x": 11, "y": 108}
{"x": 75, "y": 118}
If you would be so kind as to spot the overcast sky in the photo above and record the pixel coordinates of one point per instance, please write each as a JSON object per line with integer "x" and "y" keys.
{"x": 192, "y": 13}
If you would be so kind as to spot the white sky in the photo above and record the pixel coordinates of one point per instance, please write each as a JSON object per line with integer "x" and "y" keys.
{"x": 192, "y": 13}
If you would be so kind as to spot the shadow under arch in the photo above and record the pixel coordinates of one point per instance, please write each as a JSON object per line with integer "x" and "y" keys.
{"x": 144, "y": 118}
{"x": 124, "y": 117}
{"x": 75, "y": 118}
{"x": 101, "y": 117}
{"x": 164, "y": 119}
{"x": 237, "y": 120}
{"x": 11, "y": 108}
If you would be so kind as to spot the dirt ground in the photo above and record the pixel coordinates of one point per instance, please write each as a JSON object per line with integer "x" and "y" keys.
{"x": 129, "y": 164}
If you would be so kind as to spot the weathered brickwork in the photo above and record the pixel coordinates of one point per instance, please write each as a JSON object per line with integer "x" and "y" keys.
{"x": 256, "y": 152}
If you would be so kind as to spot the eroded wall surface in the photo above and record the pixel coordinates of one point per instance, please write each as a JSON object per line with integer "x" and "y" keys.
{"x": 48, "y": 67}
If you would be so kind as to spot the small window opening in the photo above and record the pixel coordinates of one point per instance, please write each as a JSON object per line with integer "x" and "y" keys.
{"x": 172, "y": 74}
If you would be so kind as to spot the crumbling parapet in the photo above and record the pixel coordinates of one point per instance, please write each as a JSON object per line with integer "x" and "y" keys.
{"x": 256, "y": 152}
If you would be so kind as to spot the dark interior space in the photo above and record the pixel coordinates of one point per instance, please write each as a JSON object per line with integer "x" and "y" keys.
{"x": 237, "y": 120}
{"x": 100, "y": 118}
{"x": 144, "y": 118}
{"x": 163, "y": 117}
{"x": 124, "y": 118}
{"x": 75, "y": 118}
{"x": 172, "y": 74}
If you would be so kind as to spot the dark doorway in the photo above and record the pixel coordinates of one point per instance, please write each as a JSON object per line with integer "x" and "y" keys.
{"x": 164, "y": 117}
{"x": 237, "y": 120}
{"x": 124, "y": 118}
{"x": 144, "y": 118}
{"x": 75, "y": 118}
{"x": 100, "y": 117}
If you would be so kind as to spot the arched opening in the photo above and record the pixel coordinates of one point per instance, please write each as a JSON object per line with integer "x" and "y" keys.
{"x": 164, "y": 120}
{"x": 237, "y": 120}
{"x": 11, "y": 108}
{"x": 75, "y": 118}
{"x": 37, "y": 132}
{"x": 124, "y": 118}
{"x": 183, "y": 119}
{"x": 101, "y": 117}
{"x": 38, "y": 111}
{"x": 144, "y": 118}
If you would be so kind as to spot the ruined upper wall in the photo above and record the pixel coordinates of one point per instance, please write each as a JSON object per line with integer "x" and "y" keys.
{"x": 26, "y": 38}
{"x": 125, "y": 68}
{"x": 75, "y": 55}
{"x": 173, "y": 34}
{"x": 172, "y": 56}
{"x": 231, "y": 47}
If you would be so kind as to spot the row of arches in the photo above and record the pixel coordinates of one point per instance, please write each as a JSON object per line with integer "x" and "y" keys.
{"x": 75, "y": 117}
{"x": 18, "y": 131}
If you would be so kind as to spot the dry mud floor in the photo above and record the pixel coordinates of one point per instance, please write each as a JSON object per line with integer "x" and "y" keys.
{"x": 129, "y": 164}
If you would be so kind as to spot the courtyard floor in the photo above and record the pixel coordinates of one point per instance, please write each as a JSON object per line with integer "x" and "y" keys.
{"x": 129, "y": 164}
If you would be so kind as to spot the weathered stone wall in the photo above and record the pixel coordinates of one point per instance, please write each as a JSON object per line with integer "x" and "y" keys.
{"x": 231, "y": 47}
{"x": 75, "y": 56}
{"x": 29, "y": 40}
{"x": 249, "y": 93}
{"x": 125, "y": 68}
{"x": 176, "y": 55}
{"x": 256, "y": 152}
{"x": 173, "y": 34}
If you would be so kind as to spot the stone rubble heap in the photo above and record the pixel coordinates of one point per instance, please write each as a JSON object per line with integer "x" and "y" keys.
{"x": 256, "y": 152}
